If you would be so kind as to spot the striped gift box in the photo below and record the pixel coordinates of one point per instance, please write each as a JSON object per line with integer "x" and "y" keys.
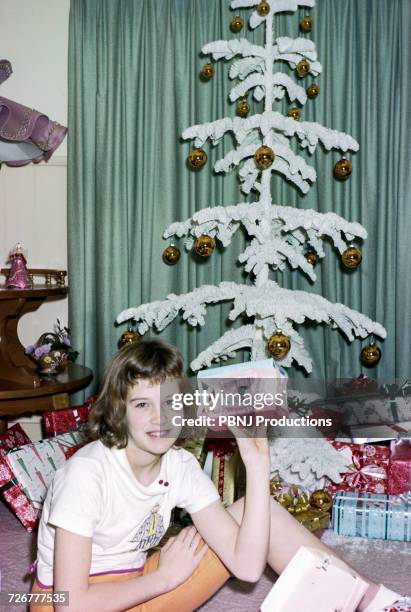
{"x": 369, "y": 515}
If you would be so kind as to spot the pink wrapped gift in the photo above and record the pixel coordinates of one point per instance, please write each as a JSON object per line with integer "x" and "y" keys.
{"x": 399, "y": 470}
{"x": 242, "y": 390}
{"x": 369, "y": 468}
{"x": 315, "y": 581}
{"x": 61, "y": 421}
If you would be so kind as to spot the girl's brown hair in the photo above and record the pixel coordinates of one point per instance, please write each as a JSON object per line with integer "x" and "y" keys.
{"x": 150, "y": 359}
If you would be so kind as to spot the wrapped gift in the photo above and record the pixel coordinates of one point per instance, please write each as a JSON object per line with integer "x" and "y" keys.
{"x": 14, "y": 436}
{"x": 311, "y": 510}
{"x": 34, "y": 465}
{"x": 69, "y": 419}
{"x": 263, "y": 368}
{"x": 253, "y": 387}
{"x": 367, "y": 515}
{"x": 368, "y": 468}
{"x": 378, "y": 433}
{"x": 224, "y": 468}
{"x": 71, "y": 450}
{"x": 314, "y": 519}
{"x": 279, "y": 487}
{"x": 315, "y": 581}
{"x": 399, "y": 470}
{"x": 19, "y": 504}
{"x": 377, "y": 411}
{"x": 9, "y": 487}
{"x": 195, "y": 446}
{"x": 27, "y": 471}
{"x": 399, "y": 400}
{"x": 355, "y": 386}
{"x": 326, "y": 414}
{"x": 363, "y": 403}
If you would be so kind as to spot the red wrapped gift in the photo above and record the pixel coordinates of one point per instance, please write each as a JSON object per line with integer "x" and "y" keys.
{"x": 369, "y": 468}
{"x": 224, "y": 470}
{"x": 69, "y": 452}
{"x": 14, "y": 436}
{"x": 9, "y": 488}
{"x": 69, "y": 419}
{"x": 326, "y": 413}
{"x": 361, "y": 384}
{"x": 27, "y": 515}
{"x": 399, "y": 470}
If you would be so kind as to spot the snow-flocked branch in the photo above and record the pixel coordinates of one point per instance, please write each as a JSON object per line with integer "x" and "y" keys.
{"x": 306, "y": 131}
{"x": 291, "y": 231}
{"x": 272, "y": 308}
{"x": 273, "y": 129}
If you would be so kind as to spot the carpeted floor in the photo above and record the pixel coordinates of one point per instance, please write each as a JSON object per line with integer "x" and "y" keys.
{"x": 382, "y": 561}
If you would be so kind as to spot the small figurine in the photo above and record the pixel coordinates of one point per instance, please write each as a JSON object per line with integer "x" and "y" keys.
{"x": 18, "y": 277}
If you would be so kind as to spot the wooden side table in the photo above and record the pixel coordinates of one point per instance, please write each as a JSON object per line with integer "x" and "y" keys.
{"x": 22, "y": 390}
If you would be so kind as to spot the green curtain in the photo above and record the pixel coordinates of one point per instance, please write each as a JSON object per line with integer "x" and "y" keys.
{"x": 134, "y": 86}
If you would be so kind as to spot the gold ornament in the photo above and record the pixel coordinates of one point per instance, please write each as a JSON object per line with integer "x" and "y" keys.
{"x": 343, "y": 169}
{"x": 294, "y": 113}
{"x": 279, "y": 345}
{"x": 264, "y": 157}
{"x": 351, "y": 257}
{"x": 197, "y": 158}
{"x": 321, "y": 499}
{"x": 204, "y": 245}
{"x": 207, "y": 72}
{"x": 171, "y": 255}
{"x": 303, "y": 68}
{"x": 237, "y": 24}
{"x": 306, "y": 23}
{"x": 129, "y": 337}
{"x": 263, "y": 8}
{"x": 312, "y": 257}
{"x": 243, "y": 108}
{"x": 370, "y": 355}
{"x": 313, "y": 90}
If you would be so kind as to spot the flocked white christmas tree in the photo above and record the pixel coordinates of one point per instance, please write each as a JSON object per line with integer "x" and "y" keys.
{"x": 279, "y": 234}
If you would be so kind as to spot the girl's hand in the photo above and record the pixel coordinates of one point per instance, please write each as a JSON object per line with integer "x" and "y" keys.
{"x": 178, "y": 558}
{"x": 253, "y": 446}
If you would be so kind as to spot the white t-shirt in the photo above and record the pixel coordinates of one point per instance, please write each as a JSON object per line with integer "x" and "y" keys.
{"x": 96, "y": 494}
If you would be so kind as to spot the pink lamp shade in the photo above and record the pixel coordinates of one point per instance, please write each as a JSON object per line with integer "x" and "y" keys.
{"x": 26, "y": 135}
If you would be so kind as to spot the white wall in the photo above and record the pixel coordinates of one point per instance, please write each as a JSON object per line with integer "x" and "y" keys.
{"x": 34, "y": 37}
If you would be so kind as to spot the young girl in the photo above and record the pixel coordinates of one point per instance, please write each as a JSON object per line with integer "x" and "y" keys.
{"x": 112, "y": 501}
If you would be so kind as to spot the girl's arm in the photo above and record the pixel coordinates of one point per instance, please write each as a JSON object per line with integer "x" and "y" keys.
{"x": 72, "y": 560}
{"x": 242, "y": 548}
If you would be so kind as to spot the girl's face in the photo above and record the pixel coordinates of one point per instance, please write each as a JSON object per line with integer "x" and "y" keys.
{"x": 150, "y": 416}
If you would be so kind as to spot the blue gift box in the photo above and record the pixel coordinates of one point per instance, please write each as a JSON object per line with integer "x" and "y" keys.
{"x": 369, "y": 515}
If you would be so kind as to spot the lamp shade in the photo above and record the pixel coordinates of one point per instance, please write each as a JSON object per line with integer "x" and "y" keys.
{"x": 26, "y": 135}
